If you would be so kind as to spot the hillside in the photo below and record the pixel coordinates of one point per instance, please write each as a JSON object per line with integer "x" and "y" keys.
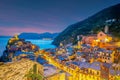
{"x": 109, "y": 16}
{"x": 38, "y": 36}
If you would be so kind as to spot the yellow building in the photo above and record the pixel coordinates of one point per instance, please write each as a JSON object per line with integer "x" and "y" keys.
{"x": 78, "y": 46}
{"x": 81, "y": 71}
{"x": 107, "y": 56}
{"x": 15, "y": 38}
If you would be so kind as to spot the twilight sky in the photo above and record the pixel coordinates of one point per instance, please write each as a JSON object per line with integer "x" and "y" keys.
{"x": 40, "y": 16}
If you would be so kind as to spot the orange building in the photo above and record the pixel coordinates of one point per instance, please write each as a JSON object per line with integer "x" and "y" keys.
{"x": 101, "y": 39}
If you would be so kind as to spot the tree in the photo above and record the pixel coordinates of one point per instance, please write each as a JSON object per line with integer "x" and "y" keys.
{"x": 33, "y": 75}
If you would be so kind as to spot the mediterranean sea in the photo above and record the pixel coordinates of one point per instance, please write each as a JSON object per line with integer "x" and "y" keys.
{"x": 42, "y": 44}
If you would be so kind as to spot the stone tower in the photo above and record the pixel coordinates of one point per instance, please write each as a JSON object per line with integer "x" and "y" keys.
{"x": 106, "y": 29}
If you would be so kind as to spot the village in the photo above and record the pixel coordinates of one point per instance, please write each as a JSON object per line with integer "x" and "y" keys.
{"x": 59, "y": 39}
{"x": 94, "y": 57}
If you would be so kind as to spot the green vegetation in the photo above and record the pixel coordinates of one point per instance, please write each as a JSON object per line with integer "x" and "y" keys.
{"x": 91, "y": 25}
{"x": 114, "y": 28}
{"x": 33, "y": 74}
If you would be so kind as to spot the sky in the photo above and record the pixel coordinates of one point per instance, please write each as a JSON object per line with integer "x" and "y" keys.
{"x": 39, "y": 16}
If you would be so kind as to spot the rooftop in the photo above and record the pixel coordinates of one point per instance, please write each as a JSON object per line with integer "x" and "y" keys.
{"x": 94, "y": 65}
{"x": 50, "y": 70}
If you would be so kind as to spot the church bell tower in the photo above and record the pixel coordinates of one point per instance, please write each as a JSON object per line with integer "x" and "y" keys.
{"x": 106, "y": 29}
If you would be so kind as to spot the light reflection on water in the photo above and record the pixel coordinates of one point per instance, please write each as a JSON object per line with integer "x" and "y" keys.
{"x": 43, "y": 44}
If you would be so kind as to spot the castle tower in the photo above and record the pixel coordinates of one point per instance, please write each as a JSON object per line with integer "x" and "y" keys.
{"x": 61, "y": 44}
{"x": 106, "y": 29}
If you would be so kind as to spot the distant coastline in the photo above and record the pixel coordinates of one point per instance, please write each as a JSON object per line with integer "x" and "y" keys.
{"x": 47, "y": 39}
{"x": 43, "y": 36}
{"x": 5, "y": 36}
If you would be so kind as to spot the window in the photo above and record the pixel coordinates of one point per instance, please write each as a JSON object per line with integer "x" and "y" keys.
{"x": 97, "y": 73}
{"x": 100, "y": 34}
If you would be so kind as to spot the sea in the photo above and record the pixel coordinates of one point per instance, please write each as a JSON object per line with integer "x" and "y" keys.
{"x": 42, "y": 44}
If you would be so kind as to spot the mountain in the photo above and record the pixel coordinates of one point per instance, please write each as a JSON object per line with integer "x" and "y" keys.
{"x": 38, "y": 36}
{"x": 108, "y": 16}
